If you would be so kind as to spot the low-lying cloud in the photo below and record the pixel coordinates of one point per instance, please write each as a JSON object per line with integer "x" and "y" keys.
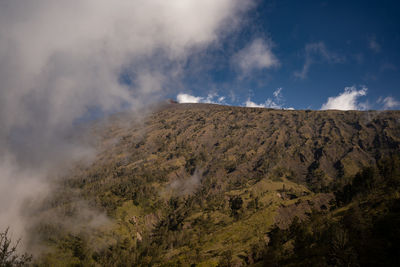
{"x": 186, "y": 186}
{"x": 61, "y": 60}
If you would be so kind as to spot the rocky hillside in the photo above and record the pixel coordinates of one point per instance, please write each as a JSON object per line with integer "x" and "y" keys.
{"x": 202, "y": 184}
{"x": 240, "y": 144}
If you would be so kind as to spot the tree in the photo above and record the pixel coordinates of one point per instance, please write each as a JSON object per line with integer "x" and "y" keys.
{"x": 236, "y": 204}
{"x": 8, "y": 252}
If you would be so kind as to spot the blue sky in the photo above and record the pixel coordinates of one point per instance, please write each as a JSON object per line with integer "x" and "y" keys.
{"x": 316, "y": 49}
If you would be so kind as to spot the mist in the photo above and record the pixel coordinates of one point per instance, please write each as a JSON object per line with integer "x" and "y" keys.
{"x": 61, "y": 61}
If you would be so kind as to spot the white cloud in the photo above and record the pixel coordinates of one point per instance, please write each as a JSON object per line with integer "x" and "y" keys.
{"x": 60, "y": 59}
{"x": 212, "y": 98}
{"x": 317, "y": 53}
{"x": 251, "y": 104}
{"x": 256, "y": 55}
{"x": 269, "y": 103}
{"x": 278, "y": 93}
{"x": 185, "y": 98}
{"x": 348, "y": 100}
{"x": 221, "y": 99}
{"x": 272, "y": 104}
{"x": 277, "y": 102}
{"x": 389, "y": 103}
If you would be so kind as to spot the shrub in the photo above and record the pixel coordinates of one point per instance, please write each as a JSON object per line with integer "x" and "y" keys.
{"x": 8, "y": 252}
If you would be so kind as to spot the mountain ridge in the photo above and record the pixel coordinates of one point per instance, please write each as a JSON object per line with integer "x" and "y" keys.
{"x": 193, "y": 182}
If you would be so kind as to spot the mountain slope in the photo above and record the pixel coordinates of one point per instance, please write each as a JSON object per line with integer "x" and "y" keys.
{"x": 245, "y": 143}
{"x": 201, "y": 183}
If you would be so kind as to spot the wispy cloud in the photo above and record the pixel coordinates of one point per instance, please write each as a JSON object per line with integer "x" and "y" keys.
{"x": 387, "y": 67}
{"x": 374, "y": 45}
{"x": 255, "y": 56}
{"x": 317, "y": 53}
{"x": 389, "y": 102}
{"x": 348, "y": 100}
{"x": 278, "y": 94}
{"x": 277, "y": 102}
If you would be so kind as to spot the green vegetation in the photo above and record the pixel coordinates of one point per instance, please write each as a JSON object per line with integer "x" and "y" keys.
{"x": 362, "y": 230}
{"x": 222, "y": 186}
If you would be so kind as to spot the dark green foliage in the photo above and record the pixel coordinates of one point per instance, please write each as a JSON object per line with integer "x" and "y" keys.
{"x": 366, "y": 234}
{"x": 372, "y": 180}
{"x": 226, "y": 259}
{"x": 339, "y": 168}
{"x": 78, "y": 246}
{"x": 389, "y": 168}
{"x": 253, "y": 204}
{"x": 317, "y": 181}
{"x": 190, "y": 165}
{"x": 236, "y": 204}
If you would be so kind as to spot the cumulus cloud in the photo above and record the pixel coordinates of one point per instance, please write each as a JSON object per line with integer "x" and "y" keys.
{"x": 348, "y": 100}
{"x": 389, "y": 102}
{"x": 317, "y": 53}
{"x": 61, "y": 59}
{"x": 251, "y": 104}
{"x": 277, "y": 102}
{"x": 212, "y": 98}
{"x": 256, "y": 55}
{"x": 185, "y": 98}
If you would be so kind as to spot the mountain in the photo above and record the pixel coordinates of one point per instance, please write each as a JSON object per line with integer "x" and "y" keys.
{"x": 213, "y": 185}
